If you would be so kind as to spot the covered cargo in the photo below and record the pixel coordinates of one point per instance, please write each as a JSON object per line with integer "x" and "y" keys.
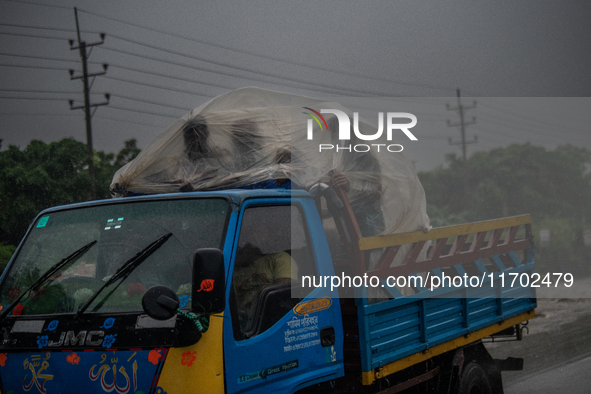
{"x": 256, "y": 138}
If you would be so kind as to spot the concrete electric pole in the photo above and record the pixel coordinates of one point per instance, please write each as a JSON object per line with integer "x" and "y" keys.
{"x": 82, "y": 48}
{"x": 461, "y": 111}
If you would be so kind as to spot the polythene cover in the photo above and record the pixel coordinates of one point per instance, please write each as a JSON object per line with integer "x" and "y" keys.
{"x": 256, "y": 138}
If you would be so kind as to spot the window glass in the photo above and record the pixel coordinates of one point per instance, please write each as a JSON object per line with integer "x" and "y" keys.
{"x": 120, "y": 232}
{"x": 273, "y": 251}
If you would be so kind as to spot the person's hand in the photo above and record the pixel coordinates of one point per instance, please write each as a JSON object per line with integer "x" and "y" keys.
{"x": 339, "y": 180}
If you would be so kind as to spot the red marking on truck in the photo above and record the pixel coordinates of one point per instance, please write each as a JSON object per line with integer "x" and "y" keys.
{"x": 206, "y": 285}
{"x": 154, "y": 356}
{"x": 73, "y": 359}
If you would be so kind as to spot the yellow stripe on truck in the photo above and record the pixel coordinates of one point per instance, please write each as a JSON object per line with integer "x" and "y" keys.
{"x": 382, "y": 241}
{"x": 198, "y": 368}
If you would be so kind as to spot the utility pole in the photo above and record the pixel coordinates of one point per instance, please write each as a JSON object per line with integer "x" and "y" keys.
{"x": 461, "y": 111}
{"x": 82, "y": 47}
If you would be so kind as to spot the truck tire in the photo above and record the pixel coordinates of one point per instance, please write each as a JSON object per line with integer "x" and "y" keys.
{"x": 474, "y": 380}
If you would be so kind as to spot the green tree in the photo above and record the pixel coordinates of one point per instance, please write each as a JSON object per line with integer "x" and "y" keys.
{"x": 512, "y": 181}
{"x": 553, "y": 186}
{"x": 6, "y": 252}
{"x": 45, "y": 175}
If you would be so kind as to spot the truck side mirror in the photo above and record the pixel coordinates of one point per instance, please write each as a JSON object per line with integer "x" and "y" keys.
{"x": 160, "y": 303}
{"x": 209, "y": 290}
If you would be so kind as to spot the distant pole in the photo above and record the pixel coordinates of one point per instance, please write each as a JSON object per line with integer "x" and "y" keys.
{"x": 461, "y": 111}
{"x": 82, "y": 46}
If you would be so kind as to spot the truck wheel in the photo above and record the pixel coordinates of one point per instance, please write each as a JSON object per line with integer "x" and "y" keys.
{"x": 474, "y": 380}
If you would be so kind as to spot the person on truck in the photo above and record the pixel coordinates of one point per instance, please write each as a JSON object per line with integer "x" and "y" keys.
{"x": 362, "y": 184}
{"x": 197, "y": 151}
{"x": 255, "y": 271}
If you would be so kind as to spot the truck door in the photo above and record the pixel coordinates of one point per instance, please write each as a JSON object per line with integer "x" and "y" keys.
{"x": 274, "y": 342}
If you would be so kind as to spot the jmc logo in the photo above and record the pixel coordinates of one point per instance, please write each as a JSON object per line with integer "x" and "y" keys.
{"x": 344, "y": 132}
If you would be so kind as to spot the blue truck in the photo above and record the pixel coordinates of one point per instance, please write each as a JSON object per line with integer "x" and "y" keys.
{"x": 149, "y": 294}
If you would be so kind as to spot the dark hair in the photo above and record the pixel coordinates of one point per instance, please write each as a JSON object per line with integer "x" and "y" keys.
{"x": 196, "y": 134}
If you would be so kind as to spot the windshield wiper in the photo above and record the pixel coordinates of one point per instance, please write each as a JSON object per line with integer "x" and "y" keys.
{"x": 123, "y": 272}
{"x": 43, "y": 278}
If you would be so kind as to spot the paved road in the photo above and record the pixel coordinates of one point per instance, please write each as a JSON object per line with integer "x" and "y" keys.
{"x": 556, "y": 352}
{"x": 574, "y": 378}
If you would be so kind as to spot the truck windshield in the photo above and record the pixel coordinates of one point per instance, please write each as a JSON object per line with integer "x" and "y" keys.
{"x": 121, "y": 230}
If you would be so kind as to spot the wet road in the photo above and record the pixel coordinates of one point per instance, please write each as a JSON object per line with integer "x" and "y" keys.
{"x": 573, "y": 378}
{"x": 556, "y": 351}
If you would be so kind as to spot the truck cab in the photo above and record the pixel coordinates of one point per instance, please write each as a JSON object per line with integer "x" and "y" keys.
{"x": 65, "y": 331}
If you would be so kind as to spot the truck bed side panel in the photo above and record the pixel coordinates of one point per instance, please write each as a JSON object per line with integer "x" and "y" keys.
{"x": 396, "y": 328}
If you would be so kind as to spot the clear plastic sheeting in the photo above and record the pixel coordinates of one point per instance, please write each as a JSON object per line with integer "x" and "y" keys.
{"x": 255, "y": 138}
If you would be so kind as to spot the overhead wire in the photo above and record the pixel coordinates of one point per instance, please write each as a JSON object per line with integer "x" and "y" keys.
{"x": 147, "y": 101}
{"x": 218, "y": 63}
{"x": 212, "y": 70}
{"x": 221, "y": 64}
{"x": 126, "y": 121}
{"x": 41, "y": 4}
{"x": 40, "y": 91}
{"x": 216, "y": 71}
{"x": 244, "y": 69}
{"x": 111, "y": 106}
{"x": 537, "y": 131}
{"x": 32, "y": 114}
{"x": 151, "y": 85}
{"x": 33, "y": 98}
{"x": 176, "y": 78}
{"x": 45, "y": 28}
{"x": 267, "y": 57}
{"x": 31, "y": 66}
{"x": 32, "y": 36}
{"x": 533, "y": 120}
{"x": 45, "y": 58}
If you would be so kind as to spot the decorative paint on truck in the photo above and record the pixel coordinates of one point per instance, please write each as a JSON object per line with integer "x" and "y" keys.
{"x": 129, "y": 371}
{"x": 137, "y": 371}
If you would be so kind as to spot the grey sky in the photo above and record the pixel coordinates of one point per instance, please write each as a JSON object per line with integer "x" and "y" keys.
{"x": 320, "y": 48}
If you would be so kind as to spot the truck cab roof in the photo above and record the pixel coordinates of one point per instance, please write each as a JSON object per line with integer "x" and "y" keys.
{"x": 237, "y": 196}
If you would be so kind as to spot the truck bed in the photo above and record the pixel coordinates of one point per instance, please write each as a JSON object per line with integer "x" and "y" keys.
{"x": 401, "y": 331}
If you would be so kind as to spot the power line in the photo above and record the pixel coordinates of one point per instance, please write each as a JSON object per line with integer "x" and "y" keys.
{"x": 537, "y": 133}
{"x": 31, "y": 36}
{"x": 536, "y": 121}
{"x": 216, "y": 63}
{"x": 33, "y": 98}
{"x": 32, "y": 114}
{"x": 127, "y": 121}
{"x": 150, "y": 85}
{"x": 244, "y": 69}
{"x": 288, "y": 62}
{"x": 250, "y": 53}
{"x": 227, "y": 48}
{"x": 43, "y": 58}
{"x": 274, "y": 75}
{"x": 147, "y": 102}
{"x": 45, "y": 28}
{"x": 177, "y": 78}
{"x": 142, "y": 112}
{"x": 41, "y": 4}
{"x": 38, "y": 91}
{"x": 226, "y": 74}
{"x": 35, "y": 67}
